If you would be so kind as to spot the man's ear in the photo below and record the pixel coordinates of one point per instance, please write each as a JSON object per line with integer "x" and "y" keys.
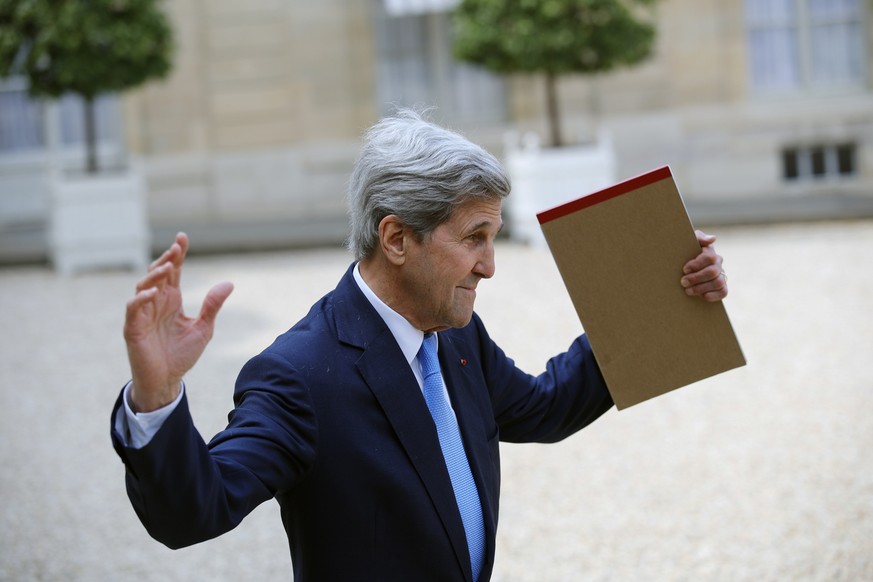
{"x": 393, "y": 239}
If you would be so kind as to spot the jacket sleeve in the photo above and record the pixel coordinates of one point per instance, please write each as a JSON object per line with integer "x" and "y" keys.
{"x": 185, "y": 491}
{"x": 568, "y": 396}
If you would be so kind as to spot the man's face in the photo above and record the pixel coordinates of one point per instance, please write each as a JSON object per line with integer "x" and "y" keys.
{"x": 441, "y": 272}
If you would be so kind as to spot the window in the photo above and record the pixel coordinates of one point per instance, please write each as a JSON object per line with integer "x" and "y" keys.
{"x": 25, "y": 121}
{"x": 21, "y": 120}
{"x": 818, "y": 162}
{"x": 416, "y": 67}
{"x": 805, "y": 44}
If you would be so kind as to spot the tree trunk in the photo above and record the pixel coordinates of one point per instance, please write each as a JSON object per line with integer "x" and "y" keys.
{"x": 90, "y": 135}
{"x": 552, "y": 110}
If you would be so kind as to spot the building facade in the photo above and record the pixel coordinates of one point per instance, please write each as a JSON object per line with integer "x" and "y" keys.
{"x": 754, "y": 104}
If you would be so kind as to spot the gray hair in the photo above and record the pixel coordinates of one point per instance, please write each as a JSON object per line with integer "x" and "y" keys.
{"x": 419, "y": 172}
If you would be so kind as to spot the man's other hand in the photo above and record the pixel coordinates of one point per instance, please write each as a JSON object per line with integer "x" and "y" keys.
{"x": 703, "y": 275}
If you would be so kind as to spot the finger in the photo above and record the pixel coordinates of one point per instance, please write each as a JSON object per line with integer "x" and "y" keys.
{"x": 716, "y": 285}
{"x": 136, "y": 306}
{"x": 155, "y": 278}
{"x": 707, "y": 257}
{"x": 140, "y": 299}
{"x": 704, "y": 267}
{"x": 704, "y": 239}
{"x": 719, "y": 291}
{"x": 179, "y": 259}
{"x": 705, "y": 275}
{"x": 182, "y": 241}
{"x": 707, "y": 254}
{"x": 714, "y": 296}
{"x": 166, "y": 256}
{"x": 213, "y": 302}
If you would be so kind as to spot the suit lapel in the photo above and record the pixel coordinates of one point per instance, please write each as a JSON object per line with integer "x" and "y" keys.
{"x": 397, "y": 391}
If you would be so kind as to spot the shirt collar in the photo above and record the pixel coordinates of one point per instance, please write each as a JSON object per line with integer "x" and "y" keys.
{"x": 407, "y": 336}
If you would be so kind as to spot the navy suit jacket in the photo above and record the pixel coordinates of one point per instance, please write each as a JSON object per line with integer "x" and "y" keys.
{"x": 331, "y": 421}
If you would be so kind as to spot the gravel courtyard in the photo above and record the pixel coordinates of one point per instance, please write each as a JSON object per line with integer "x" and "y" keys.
{"x": 763, "y": 473}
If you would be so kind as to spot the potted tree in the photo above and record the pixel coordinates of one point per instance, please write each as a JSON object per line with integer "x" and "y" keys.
{"x": 89, "y": 48}
{"x": 552, "y": 38}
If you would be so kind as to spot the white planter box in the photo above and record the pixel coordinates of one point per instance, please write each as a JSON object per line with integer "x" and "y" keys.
{"x": 98, "y": 221}
{"x": 545, "y": 178}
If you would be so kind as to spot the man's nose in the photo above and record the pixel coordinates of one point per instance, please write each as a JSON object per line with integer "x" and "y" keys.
{"x": 486, "y": 267}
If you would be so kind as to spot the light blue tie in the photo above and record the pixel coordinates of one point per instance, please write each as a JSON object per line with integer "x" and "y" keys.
{"x": 466, "y": 493}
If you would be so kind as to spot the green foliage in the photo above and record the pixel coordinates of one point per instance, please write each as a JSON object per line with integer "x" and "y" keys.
{"x": 552, "y": 36}
{"x": 87, "y": 47}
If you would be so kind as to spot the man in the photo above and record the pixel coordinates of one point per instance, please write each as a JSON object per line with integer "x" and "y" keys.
{"x": 382, "y": 454}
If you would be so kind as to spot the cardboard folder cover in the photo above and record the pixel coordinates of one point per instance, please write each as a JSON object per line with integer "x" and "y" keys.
{"x": 620, "y": 252}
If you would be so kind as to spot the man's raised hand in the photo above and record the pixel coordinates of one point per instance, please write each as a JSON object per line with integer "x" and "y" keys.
{"x": 162, "y": 342}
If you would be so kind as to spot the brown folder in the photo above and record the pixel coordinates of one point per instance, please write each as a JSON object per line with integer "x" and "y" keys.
{"x": 620, "y": 252}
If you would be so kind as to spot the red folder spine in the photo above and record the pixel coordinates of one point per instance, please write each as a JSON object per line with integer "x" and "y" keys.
{"x": 603, "y": 195}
